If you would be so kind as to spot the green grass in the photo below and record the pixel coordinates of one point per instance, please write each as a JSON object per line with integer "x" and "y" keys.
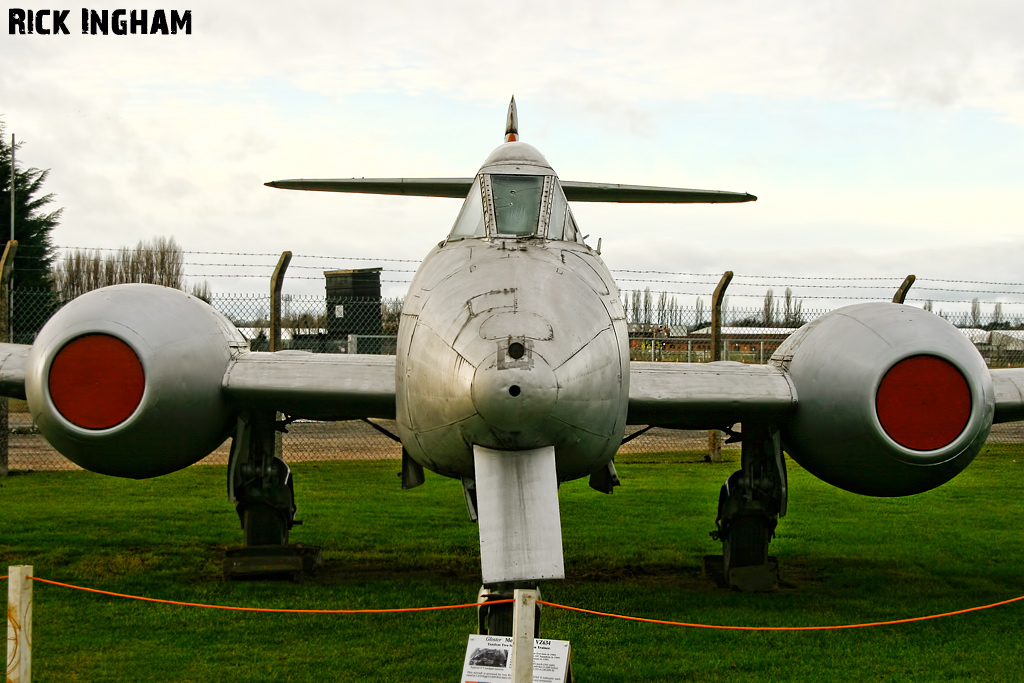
{"x": 844, "y": 559}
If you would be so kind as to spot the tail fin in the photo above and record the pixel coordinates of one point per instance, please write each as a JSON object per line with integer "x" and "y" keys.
{"x": 512, "y": 122}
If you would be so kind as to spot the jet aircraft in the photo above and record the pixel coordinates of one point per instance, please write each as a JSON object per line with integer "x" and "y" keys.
{"x": 512, "y": 374}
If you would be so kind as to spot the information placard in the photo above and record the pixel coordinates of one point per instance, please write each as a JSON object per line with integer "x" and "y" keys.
{"x": 489, "y": 660}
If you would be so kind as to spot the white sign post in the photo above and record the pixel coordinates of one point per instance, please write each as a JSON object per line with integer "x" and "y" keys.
{"x": 19, "y": 624}
{"x": 523, "y": 628}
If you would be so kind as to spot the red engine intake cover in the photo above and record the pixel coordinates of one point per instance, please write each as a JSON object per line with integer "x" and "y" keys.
{"x": 96, "y": 381}
{"x": 923, "y": 403}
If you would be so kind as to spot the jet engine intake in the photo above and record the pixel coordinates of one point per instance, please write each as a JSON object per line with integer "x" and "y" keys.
{"x": 892, "y": 400}
{"x": 126, "y": 380}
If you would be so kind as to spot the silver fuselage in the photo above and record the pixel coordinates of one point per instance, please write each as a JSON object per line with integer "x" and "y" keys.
{"x": 512, "y": 343}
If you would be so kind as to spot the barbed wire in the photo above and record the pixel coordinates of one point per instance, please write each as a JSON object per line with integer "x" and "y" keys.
{"x": 272, "y": 265}
{"x": 245, "y": 253}
{"x": 196, "y": 270}
{"x": 833, "y": 287}
{"x": 388, "y": 259}
{"x": 750, "y": 284}
{"x": 739, "y": 275}
{"x": 287, "y": 277}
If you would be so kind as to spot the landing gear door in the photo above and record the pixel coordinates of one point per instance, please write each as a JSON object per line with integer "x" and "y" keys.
{"x": 520, "y": 526}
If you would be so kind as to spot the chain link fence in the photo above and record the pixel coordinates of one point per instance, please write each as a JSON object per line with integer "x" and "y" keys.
{"x": 322, "y": 325}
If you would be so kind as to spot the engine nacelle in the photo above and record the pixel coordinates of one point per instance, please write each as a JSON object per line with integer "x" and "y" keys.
{"x": 892, "y": 400}
{"x": 126, "y": 380}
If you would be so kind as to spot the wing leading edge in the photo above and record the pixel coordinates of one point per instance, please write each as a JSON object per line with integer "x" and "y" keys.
{"x": 324, "y": 386}
{"x": 12, "y": 369}
{"x": 706, "y": 395}
{"x": 675, "y": 395}
{"x": 1008, "y": 385}
{"x": 709, "y": 395}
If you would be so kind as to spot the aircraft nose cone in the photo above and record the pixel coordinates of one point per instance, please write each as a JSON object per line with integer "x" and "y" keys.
{"x": 515, "y": 393}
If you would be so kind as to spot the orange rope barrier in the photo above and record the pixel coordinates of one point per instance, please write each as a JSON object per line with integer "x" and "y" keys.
{"x": 266, "y": 609}
{"x": 781, "y": 628}
{"x": 539, "y": 602}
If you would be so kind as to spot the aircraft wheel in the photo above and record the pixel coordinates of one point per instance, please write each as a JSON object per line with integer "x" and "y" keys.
{"x": 747, "y": 543}
{"x": 499, "y": 620}
{"x": 264, "y": 525}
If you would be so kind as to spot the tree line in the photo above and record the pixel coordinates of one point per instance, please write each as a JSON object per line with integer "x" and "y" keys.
{"x": 660, "y": 312}
{"x": 158, "y": 261}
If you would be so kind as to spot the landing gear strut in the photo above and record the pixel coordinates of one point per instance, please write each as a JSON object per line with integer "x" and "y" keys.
{"x": 749, "y": 507}
{"x": 259, "y": 483}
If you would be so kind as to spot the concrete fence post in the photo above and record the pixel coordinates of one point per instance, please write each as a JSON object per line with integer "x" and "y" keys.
{"x": 715, "y": 436}
{"x": 19, "y": 624}
{"x": 276, "y": 284}
{"x": 901, "y": 293}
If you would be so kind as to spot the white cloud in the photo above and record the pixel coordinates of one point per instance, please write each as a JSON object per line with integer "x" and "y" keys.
{"x": 898, "y": 122}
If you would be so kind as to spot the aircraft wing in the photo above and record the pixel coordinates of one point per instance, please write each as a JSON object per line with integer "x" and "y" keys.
{"x": 12, "y": 369}
{"x": 345, "y": 387}
{"x": 712, "y": 395}
{"x": 459, "y": 188}
{"x": 1009, "y": 388}
{"x": 316, "y": 386}
{"x": 674, "y": 395}
{"x": 706, "y": 395}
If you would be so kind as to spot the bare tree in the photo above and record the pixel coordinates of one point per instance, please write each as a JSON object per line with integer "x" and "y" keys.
{"x": 928, "y": 306}
{"x": 770, "y": 309}
{"x": 792, "y": 310}
{"x": 634, "y": 307}
{"x": 201, "y": 290}
{"x": 675, "y": 315}
{"x": 648, "y": 310}
{"x": 159, "y": 261}
{"x": 975, "y": 313}
{"x": 391, "y": 314}
{"x": 663, "y": 308}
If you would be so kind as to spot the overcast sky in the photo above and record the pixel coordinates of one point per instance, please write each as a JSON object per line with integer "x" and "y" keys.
{"x": 881, "y": 138}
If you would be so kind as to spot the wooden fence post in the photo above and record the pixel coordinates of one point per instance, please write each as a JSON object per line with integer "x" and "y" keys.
{"x": 19, "y": 624}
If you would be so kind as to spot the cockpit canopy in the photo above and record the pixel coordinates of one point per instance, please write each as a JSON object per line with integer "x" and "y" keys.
{"x": 515, "y": 205}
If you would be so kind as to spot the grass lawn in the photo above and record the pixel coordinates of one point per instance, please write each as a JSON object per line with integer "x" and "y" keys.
{"x": 844, "y": 559}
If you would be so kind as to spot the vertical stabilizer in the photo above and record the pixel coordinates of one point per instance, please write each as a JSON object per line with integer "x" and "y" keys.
{"x": 512, "y": 122}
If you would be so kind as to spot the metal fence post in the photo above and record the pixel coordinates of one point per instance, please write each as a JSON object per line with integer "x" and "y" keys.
{"x": 19, "y": 624}
{"x": 6, "y": 268}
